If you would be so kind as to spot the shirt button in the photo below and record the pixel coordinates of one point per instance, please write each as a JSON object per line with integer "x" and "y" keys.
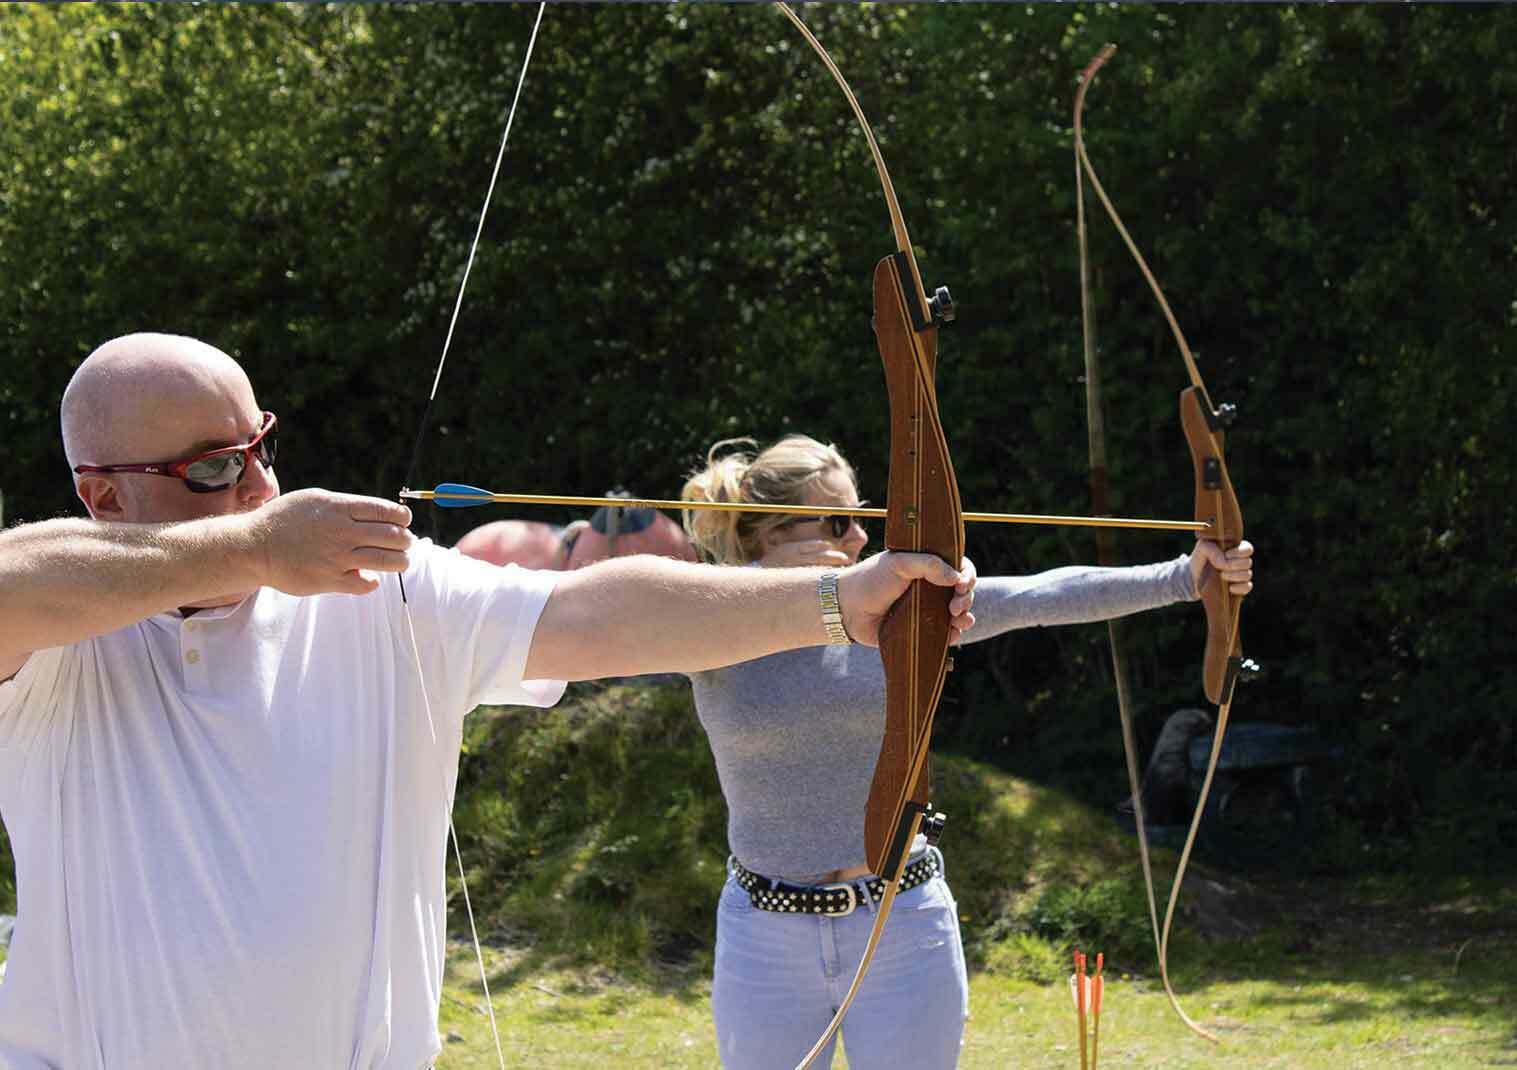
{"x": 193, "y": 657}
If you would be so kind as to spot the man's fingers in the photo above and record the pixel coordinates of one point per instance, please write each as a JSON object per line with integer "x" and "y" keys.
{"x": 387, "y": 536}
{"x": 314, "y": 541}
{"x": 356, "y": 581}
{"x": 377, "y": 511}
{"x": 375, "y": 559}
{"x": 933, "y": 569}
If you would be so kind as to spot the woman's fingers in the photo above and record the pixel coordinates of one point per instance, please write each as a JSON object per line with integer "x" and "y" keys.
{"x": 1235, "y": 566}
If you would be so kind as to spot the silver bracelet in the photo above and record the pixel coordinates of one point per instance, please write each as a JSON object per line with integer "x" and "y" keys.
{"x": 832, "y": 610}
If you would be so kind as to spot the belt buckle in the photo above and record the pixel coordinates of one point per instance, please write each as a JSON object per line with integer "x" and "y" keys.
{"x": 853, "y": 898}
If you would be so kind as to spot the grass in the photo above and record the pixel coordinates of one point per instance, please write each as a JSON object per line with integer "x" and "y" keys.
{"x": 1398, "y": 985}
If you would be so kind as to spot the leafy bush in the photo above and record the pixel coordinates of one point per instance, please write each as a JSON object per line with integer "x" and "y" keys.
{"x": 1110, "y": 914}
{"x": 597, "y": 827}
{"x": 1029, "y": 957}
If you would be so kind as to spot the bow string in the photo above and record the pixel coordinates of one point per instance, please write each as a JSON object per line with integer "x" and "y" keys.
{"x": 421, "y": 431}
{"x": 1216, "y": 503}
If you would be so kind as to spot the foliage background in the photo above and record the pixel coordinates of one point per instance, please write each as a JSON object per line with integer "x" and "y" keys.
{"x": 679, "y": 250}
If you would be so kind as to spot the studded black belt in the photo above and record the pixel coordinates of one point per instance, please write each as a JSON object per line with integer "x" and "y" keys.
{"x": 830, "y": 900}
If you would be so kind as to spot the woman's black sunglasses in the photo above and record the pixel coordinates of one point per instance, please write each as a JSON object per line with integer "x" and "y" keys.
{"x": 838, "y": 525}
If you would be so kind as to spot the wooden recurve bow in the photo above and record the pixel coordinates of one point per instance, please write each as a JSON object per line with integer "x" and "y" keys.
{"x": 1216, "y": 504}
{"x": 923, "y": 515}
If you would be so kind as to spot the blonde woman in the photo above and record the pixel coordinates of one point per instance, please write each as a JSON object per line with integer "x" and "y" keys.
{"x": 795, "y": 737}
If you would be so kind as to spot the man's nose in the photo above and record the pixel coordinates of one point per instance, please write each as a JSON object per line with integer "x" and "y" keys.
{"x": 259, "y": 483}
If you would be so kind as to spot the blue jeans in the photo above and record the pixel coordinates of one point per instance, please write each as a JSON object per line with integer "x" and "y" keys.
{"x": 780, "y": 977}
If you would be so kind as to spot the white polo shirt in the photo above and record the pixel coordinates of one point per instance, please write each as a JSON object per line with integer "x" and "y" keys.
{"x": 229, "y": 828}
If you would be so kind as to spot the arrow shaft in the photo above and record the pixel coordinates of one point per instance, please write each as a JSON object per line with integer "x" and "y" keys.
{"x": 862, "y": 512}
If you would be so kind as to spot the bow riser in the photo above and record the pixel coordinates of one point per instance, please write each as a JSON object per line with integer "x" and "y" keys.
{"x": 924, "y": 516}
{"x": 914, "y": 630}
{"x": 1217, "y": 505}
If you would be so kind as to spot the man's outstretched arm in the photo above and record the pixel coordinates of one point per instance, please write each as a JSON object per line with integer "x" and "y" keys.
{"x": 63, "y": 581}
{"x": 637, "y": 615}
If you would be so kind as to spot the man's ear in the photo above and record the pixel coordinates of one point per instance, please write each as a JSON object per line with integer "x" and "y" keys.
{"x": 101, "y": 497}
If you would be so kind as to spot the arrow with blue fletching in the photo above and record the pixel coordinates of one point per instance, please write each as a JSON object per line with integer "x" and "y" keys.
{"x": 463, "y": 496}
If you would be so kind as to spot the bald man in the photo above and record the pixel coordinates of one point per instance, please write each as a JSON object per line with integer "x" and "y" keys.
{"x": 226, "y": 755}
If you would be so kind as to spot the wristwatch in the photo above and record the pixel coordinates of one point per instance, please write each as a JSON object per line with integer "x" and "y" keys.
{"x": 832, "y": 610}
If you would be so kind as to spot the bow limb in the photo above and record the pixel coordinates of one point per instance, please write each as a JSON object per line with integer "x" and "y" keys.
{"x": 917, "y": 295}
{"x": 923, "y": 514}
{"x": 1216, "y": 502}
{"x": 421, "y": 431}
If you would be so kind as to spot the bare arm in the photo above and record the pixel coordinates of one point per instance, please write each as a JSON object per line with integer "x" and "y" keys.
{"x": 62, "y": 581}
{"x": 650, "y": 614}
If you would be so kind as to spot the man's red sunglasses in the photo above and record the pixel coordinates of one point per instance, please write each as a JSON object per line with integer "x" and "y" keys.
{"x": 205, "y": 473}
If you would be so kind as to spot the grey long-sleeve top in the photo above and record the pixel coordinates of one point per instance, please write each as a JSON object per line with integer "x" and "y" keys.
{"x": 796, "y": 735}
